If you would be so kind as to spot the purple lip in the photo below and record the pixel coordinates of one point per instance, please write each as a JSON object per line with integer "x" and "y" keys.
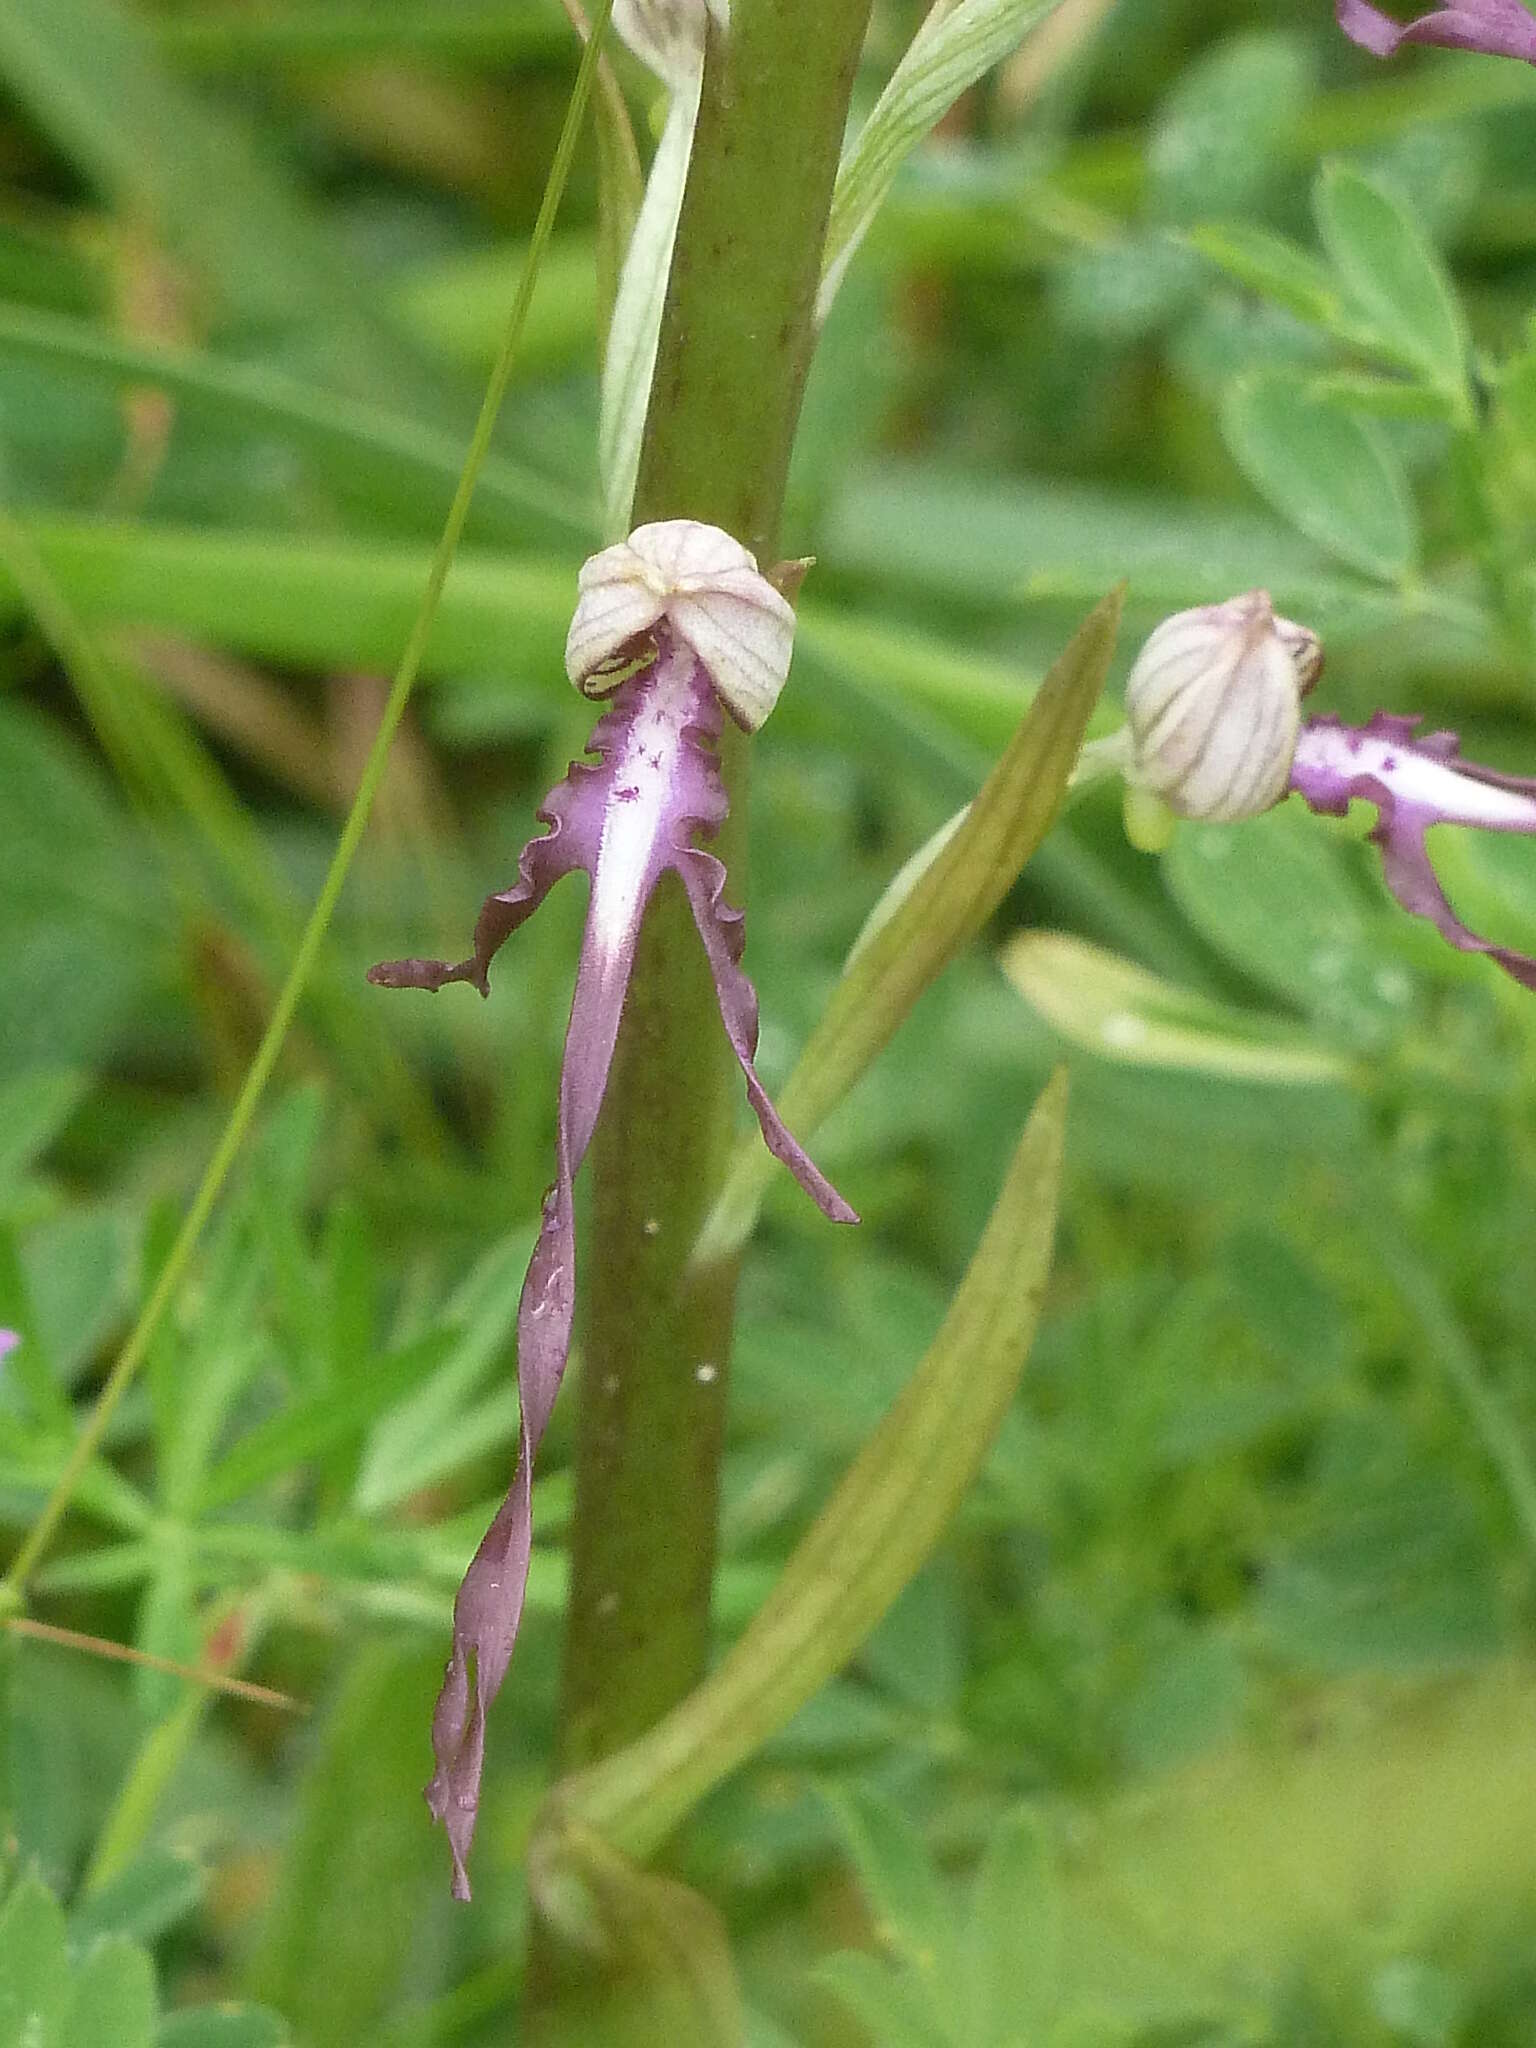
{"x": 626, "y": 818}
{"x": 1415, "y": 781}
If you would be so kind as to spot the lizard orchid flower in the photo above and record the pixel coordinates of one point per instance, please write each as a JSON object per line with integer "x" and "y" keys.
{"x": 1497, "y": 28}
{"x": 1215, "y": 730}
{"x": 677, "y": 628}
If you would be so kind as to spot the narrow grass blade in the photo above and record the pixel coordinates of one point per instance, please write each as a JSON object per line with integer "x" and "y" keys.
{"x": 406, "y": 466}
{"x": 954, "y": 47}
{"x": 93, "y": 80}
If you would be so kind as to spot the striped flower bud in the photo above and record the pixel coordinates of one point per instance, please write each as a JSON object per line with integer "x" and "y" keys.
{"x": 1213, "y": 702}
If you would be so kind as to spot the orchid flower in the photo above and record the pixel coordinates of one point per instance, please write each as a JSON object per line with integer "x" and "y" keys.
{"x": 1498, "y": 28}
{"x": 1215, "y": 731}
{"x": 676, "y": 626}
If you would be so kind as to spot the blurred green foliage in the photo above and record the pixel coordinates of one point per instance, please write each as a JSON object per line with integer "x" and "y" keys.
{"x": 1211, "y": 1723}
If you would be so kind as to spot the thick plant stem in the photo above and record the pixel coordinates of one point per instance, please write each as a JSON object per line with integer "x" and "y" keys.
{"x": 735, "y": 346}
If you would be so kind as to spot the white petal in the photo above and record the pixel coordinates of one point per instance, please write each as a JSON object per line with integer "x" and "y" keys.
{"x": 709, "y": 589}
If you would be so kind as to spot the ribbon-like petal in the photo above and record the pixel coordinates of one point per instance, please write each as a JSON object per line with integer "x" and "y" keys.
{"x": 626, "y": 818}
{"x": 1415, "y": 781}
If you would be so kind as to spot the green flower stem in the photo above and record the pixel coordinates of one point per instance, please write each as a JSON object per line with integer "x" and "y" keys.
{"x": 736, "y": 342}
{"x": 173, "y": 1272}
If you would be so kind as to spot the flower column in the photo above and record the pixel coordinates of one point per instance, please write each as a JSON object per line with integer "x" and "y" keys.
{"x": 735, "y": 345}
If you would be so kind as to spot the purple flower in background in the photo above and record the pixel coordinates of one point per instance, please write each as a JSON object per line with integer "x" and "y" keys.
{"x": 1498, "y": 28}
{"x": 1214, "y": 730}
{"x": 8, "y": 1342}
{"x": 675, "y": 626}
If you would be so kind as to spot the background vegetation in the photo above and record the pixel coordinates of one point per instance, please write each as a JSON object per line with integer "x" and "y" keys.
{"x": 1213, "y": 1720}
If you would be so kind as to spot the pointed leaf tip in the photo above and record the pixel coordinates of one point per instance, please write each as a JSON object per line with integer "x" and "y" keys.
{"x": 890, "y": 1509}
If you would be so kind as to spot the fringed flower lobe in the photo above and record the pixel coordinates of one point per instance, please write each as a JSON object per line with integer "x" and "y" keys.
{"x": 677, "y": 607}
{"x": 1415, "y": 781}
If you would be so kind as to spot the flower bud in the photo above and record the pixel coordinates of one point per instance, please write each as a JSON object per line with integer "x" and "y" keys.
{"x": 1214, "y": 705}
{"x": 668, "y": 35}
{"x": 711, "y": 593}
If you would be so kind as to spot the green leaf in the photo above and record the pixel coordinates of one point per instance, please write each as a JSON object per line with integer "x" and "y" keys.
{"x": 1419, "y": 2002}
{"x": 33, "y": 1109}
{"x": 34, "y": 1976}
{"x": 410, "y": 1449}
{"x": 357, "y": 1838}
{"x": 1394, "y": 1569}
{"x": 1274, "y": 895}
{"x": 1124, "y": 290}
{"x": 336, "y": 1416}
{"x": 620, "y": 196}
{"x": 382, "y": 456}
{"x": 223, "y": 38}
{"x": 95, "y": 83}
{"x": 31, "y": 1366}
{"x": 167, "y": 1627}
{"x": 81, "y": 912}
{"x": 1333, "y": 475}
{"x": 1118, "y": 1011}
{"x": 987, "y": 542}
{"x": 883, "y": 2001}
{"x": 944, "y": 910}
{"x": 888, "y": 1512}
{"x": 1014, "y": 1924}
{"x": 223, "y": 2026}
{"x": 1280, "y": 270}
{"x": 954, "y": 47}
{"x": 113, "y": 2002}
{"x": 1225, "y": 129}
{"x": 142, "y": 1900}
{"x": 908, "y": 1903}
{"x": 457, "y": 306}
{"x": 663, "y": 1944}
{"x": 1395, "y": 277}
{"x": 1383, "y": 398}
{"x": 325, "y": 604}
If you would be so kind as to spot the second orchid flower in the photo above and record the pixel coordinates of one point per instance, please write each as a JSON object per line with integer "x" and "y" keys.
{"x": 1215, "y": 730}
